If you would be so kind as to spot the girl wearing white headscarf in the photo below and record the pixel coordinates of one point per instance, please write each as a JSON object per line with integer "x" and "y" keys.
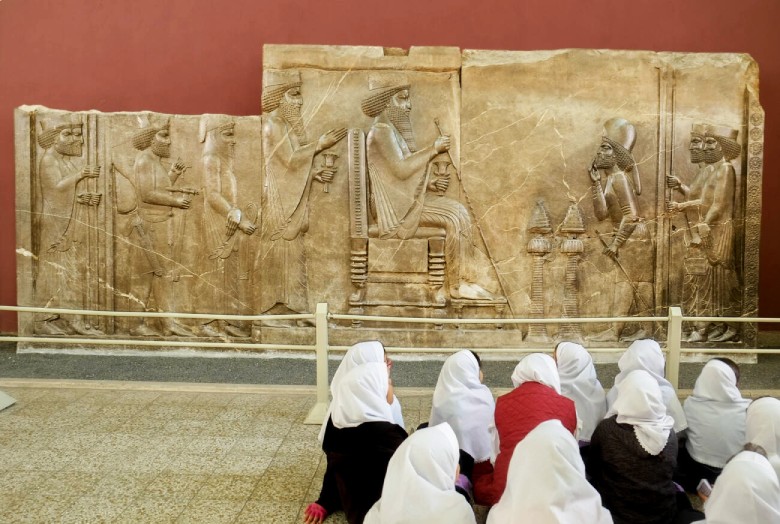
{"x": 633, "y": 454}
{"x": 546, "y": 482}
{"x": 763, "y": 428}
{"x": 359, "y": 445}
{"x": 461, "y": 400}
{"x": 420, "y": 482}
{"x": 747, "y": 492}
{"x": 716, "y": 415}
{"x": 580, "y": 383}
{"x": 646, "y": 354}
{"x": 357, "y": 355}
{"x": 536, "y": 398}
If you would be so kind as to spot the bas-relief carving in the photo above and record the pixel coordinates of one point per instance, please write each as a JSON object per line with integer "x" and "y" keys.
{"x": 547, "y": 113}
{"x": 392, "y": 183}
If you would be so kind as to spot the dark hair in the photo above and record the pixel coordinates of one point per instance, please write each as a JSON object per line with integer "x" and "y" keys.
{"x": 755, "y": 448}
{"x": 730, "y": 363}
{"x": 479, "y": 361}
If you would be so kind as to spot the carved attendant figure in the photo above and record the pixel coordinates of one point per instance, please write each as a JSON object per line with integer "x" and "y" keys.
{"x": 695, "y": 262}
{"x": 157, "y": 198}
{"x": 628, "y": 245}
{"x": 62, "y": 226}
{"x": 226, "y": 224}
{"x": 289, "y": 157}
{"x": 403, "y": 192}
{"x": 712, "y": 288}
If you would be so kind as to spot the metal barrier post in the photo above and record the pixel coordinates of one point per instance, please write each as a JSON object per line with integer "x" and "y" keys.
{"x": 673, "y": 341}
{"x": 317, "y": 413}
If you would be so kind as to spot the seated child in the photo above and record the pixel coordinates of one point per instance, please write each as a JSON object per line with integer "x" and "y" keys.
{"x": 461, "y": 400}
{"x": 536, "y": 398}
{"x": 747, "y": 492}
{"x": 716, "y": 415}
{"x": 359, "y": 442}
{"x": 646, "y": 354}
{"x": 633, "y": 454}
{"x": 763, "y": 428}
{"x": 546, "y": 482}
{"x": 580, "y": 383}
{"x": 420, "y": 482}
{"x": 357, "y": 355}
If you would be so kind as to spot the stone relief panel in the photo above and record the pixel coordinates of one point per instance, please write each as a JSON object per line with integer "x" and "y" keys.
{"x": 610, "y": 132}
{"x": 171, "y": 204}
{"x": 429, "y": 182}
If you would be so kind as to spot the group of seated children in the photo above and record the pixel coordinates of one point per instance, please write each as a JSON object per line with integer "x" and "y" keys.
{"x": 555, "y": 449}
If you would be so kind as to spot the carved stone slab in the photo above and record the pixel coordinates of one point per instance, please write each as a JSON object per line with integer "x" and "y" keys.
{"x": 429, "y": 182}
{"x": 532, "y": 124}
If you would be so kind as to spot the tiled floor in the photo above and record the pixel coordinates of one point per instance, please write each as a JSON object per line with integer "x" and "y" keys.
{"x": 128, "y": 456}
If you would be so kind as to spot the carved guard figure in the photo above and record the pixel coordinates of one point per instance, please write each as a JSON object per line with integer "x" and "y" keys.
{"x": 64, "y": 199}
{"x": 629, "y": 244}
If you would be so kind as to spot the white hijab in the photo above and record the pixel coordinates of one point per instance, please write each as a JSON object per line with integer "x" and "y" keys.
{"x": 359, "y": 354}
{"x": 763, "y": 428}
{"x": 580, "y": 383}
{"x": 361, "y": 396}
{"x": 716, "y": 415}
{"x": 747, "y": 492}
{"x": 640, "y": 404}
{"x": 419, "y": 485}
{"x": 537, "y": 367}
{"x": 466, "y": 404}
{"x": 546, "y": 482}
{"x": 646, "y": 354}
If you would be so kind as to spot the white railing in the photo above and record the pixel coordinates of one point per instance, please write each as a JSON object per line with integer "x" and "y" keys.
{"x": 321, "y": 347}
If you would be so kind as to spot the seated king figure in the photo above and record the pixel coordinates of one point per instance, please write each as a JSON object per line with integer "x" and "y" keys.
{"x": 403, "y": 193}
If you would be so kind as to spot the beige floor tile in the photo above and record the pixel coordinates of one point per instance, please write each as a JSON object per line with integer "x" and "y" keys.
{"x": 205, "y": 444}
{"x": 194, "y": 463}
{"x": 212, "y": 399}
{"x": 63, "y": 395}
{"x": 24, "y": 395}
{"x": 243, "y": 464}
{"x": 136, "y": 398}
{"x": 179, "y": 398}
{"x": 46, "y": 507}
{"x": 201, "y": 511}
{"x": 93, "y": 510}
{"x": 202, "y": 412}
{"x": 232, "y": 412}
{"x": 43, "y": 460}
{"x": 9, "y": 506}
{"x": 166, "y": 411}
{"x": 185, "y": 427}
{"x": 20, "y": 482}
{"x": 232, "y": 428}
{"x": 101, "y": 396}
{"x": 153, "y": 510}
{"x": 269, "y": 512}
{"x": 228, "y": 487}
{"x": 121, "y": 489}
{"x": 71, "y": 484}
{"x": 168, "y": 484}
{"x": 149, "y": 461}
{"x": 282, "y": 488}
{"x": 257, "y": 444}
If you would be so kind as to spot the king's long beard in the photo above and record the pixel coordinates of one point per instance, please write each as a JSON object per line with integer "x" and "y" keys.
{"x": 292, "y": 115}
{"x": 400, "y": 119}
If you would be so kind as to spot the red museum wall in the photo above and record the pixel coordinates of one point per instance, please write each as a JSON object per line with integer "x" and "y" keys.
{"x": 199, "y": 56}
